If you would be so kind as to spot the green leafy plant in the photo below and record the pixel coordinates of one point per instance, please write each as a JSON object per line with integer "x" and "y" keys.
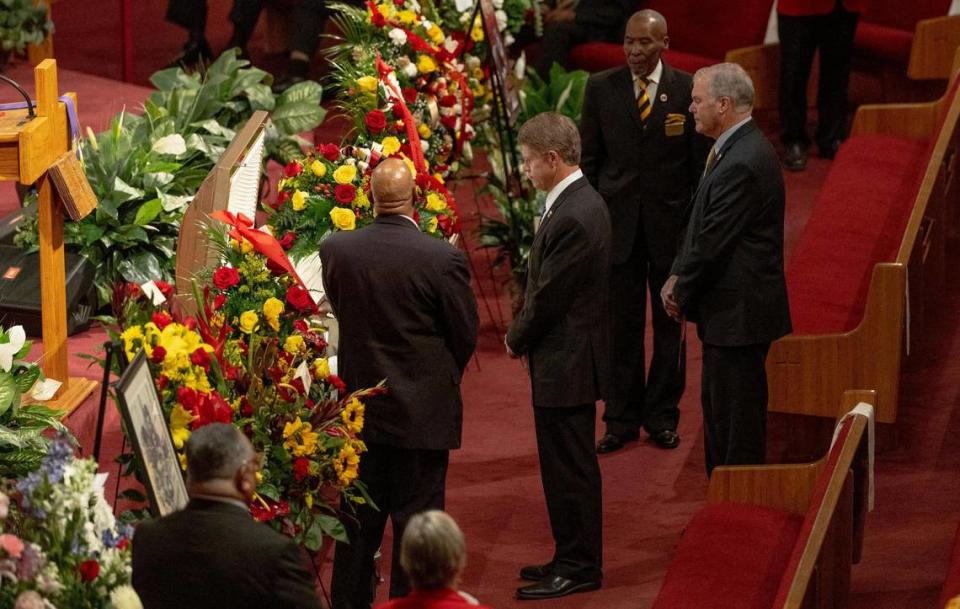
{"x": 22, "y": 23}
{"x": 146, "y": 168}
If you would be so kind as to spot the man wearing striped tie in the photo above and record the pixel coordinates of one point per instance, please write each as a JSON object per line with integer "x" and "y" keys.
{"x": 642, "y": 153}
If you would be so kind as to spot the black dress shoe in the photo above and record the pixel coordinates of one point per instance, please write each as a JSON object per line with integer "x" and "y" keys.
{"x": 795, "y": 158}
{"x": 554, "y": 586}
{"x": 666, "y": 438}
{"x": 828, "y": 150}
{"x": 535, "y": 573}
{"x": 614, "y": 441}
{"x": 192, "y": 53}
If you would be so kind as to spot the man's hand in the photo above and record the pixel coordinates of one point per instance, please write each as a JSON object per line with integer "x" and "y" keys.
{"x": 669, "y": 301}
{"x": 559, "y": 15}
{"x": 509, "y": 350}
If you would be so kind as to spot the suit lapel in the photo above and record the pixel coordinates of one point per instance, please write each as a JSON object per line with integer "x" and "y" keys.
{"x": 747, "y": 128}
{"x": 623, "y": 83}
{"x": 567, "y": 192}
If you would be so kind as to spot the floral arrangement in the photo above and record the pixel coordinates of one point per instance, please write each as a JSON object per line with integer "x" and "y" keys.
{"x": 254, "y": 357}
{"x": 61, "y": 546}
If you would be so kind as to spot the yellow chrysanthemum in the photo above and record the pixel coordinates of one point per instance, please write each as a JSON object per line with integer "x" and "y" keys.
{"x": 343, "y": 218}
{"x": 298, "y": 200}
{"x": 299, "y": 438}
{"x": 248, "y": 321}
{"x": 407, "y": 17}
{"x": 432, "y": 224}
{"x": 272, "y": 309}
{"x": 345, "y": 174}
{"x": 321, "y": 368}
{"x": 361, "y": 201}
{"x": 180, "y": 420}
{"x": 426, "y": 64}
{"x": 390, "y": 145}
{"x": 367, "y": 84}
{"x": 352, "y": 415}
{"x": 436, "y": 202}
{"x": 318, "y": 168}
{"x": 435, "y": 33}
{"x": 294, "y": 344}
{"x": 424, "y": 131}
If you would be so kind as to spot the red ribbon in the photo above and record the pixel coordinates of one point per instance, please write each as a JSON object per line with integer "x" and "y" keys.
{"x": 466, "y": 107}
{"x": 416, "y": 151}
{"x": 264, "y": 243}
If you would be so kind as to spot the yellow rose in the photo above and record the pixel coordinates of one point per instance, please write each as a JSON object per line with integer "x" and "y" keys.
{"x": 435, "y": 34}
{"x": 298, "y": 200}
{"x": 390, "y": 145}
{"x": 343, "y": 218}
{"x": 426, "y": 64}
{"x": 436, "y": 202}
{"x": 345, "y": 174}
{"x": 321, "y": 368}
{"x": 318, "y": 168}
{"x": 424, "y": 130}
{"x": 272, "y": 309}
{"x": 407, "y": 17}
{"x": 432, "y": 224}
{"x": 367, "y": 84}
{"x": 294, "y": 344}
{"x": 248, "y": 321}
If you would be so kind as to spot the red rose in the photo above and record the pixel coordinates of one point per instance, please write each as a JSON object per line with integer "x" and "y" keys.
{"x": 377, "y": 18}
{"x": 158, "y": 354}
{"x": 331, "y": 152}
{"x": 292, "y": 169}
{"x": 286, "y": 242}
{"x": 283, "y": 197}
{"x": 161, "y": 319}
{"x": 123, "y": 544}
{"x": 409, "y": 94}
{"x": 162, "y": 382}
{"x": 165, "y": 288}
{"x": 337, "y": 382}
{"x": 226, "y": 277}
{"x": 218, "y": 301}
{"x": 450, "y": 122}
{"x": 345, "y": 193}
{"x": 301, "y": 468}
{"x": 448, "y": 101}
{"x": 376, "y": 121}
{"x": 201, "y": 358}
{"x": 89, "y": 570}
{"x": 300, "y": 299}
{"x": 399, "y": 2}
{"x": 187, "y": 398}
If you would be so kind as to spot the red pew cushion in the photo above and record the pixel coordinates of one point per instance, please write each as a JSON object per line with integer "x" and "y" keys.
{"x": 857, "y": 222}
{"x": 731, "y": 555}
{"x": 883, "y": 43}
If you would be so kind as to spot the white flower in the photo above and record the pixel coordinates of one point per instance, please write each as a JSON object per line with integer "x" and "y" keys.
{"x": 425, "y": 145}
{"x": 501, "y": 19}
{"x": 398, "y": 37}
{"x": 498, "y": 4}
{"x": 16, "y": 337}
{"x": 410, "y": 70}
{"x": 472, "y": 61}
{"x": 170, "y": 144}
{"x": 124, "y": 597}
{"x": 508, "y": 39}
{"x": 450, "y": 45}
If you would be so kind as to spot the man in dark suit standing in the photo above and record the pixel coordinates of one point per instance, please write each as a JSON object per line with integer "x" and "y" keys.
{"x": 213, "y": 553}
{"x": 642, "y": 153}
{"x": 728, "y": 276}
{"x": 407, "y": 315}
{"x": 562, "y": 330}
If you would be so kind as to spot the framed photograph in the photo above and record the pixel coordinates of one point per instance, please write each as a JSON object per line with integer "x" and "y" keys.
{"x": 148, "y": 432}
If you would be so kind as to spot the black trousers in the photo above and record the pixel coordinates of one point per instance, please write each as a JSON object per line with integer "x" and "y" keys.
{"x": 800, "y": 37}
{"x": 639, "y": 398}
{"x": 307, "y": 19}
{"x": 188, "y": 14}
{"x": 402, "y": 482}
{"x": 572, "y": 488}
{"x": 734, "y": 398}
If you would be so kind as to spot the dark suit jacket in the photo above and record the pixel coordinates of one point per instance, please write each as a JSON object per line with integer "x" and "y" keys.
{"x": 563, "y": 326}
{"x": 730, "y": 268}
{"x": 407, "y": 315}
{"x": 213, "y": 554}
{"x": 646, "y": 176}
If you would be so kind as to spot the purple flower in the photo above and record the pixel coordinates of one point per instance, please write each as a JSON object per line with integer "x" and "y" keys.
{"x": 30, "y": 562}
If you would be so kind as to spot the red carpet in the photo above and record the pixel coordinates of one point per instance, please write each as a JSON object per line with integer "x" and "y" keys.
{"x": 649, "y": 494}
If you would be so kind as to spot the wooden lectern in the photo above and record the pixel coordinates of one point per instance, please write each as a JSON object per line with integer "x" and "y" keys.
{"x": 30, "y": 149}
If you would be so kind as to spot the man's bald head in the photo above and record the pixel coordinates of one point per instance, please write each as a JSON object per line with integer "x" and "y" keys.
{"x": 650, "y": 17}
{"x": 392, "y": 186}
{"x": 644, "y": 40}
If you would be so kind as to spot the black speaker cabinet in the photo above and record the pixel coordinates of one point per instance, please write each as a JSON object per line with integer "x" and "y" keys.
{"x": 20, "y": 290}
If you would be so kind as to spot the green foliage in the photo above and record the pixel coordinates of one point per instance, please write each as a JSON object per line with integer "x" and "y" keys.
{"x": 22, "y": 23}
{"x": 562, "y": 93}
{"x": 22, "y": 440}
{"x": 145, "y": 169}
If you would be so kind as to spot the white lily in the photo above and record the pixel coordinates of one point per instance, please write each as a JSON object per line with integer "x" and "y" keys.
{"x": 16, "y": 337}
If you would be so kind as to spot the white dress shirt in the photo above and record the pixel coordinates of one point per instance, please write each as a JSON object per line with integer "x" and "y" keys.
{"x": 559, "y": 188}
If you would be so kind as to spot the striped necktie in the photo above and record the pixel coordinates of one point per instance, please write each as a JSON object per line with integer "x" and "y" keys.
{"x": 711, "y": 158}
{"x": 643, "y": 100}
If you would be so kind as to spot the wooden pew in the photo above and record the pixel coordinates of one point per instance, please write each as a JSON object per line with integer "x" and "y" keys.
{"x": 808, "y": 368}
{"x": 777, "y": 536}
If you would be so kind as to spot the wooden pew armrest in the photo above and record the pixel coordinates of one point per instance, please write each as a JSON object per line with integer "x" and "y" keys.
{"x": 786, "y": 486}
{"x": 914, "y": 121}
{"x": 934, "y": 43}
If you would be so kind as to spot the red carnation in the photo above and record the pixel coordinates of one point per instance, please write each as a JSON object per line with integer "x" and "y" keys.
{"x": 376, "y": 121}
{"x": 218, "y": 301}
{"x": 161, "y": 319}
{"x": 448, "y": 101}
{"x": 292, "y": 169}
{"x": 301, "y": 468}
{"x": 377, "y": 18}
{"x": 331, "y": 152}
{"x": 158, "y": 354}
{"x": 409, "y": 94}
{"x": 300, "y": 299}
{"x": 187, "y": 398}
{"x": 89, "y": 570}
{"x": 226, "y": 277}
{"x": 345, "y": 193}
{"x": 201, "y": 358}
{"x": 450, "y": 122}
{"x": 337, "y": 382}
{"x": 165, "y": 288}
{"x": 286, "y": 242}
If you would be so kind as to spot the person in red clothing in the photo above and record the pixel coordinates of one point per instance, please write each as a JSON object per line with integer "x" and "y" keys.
{"x": 804, "y": 26}
{"x": 433, "y": 555}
